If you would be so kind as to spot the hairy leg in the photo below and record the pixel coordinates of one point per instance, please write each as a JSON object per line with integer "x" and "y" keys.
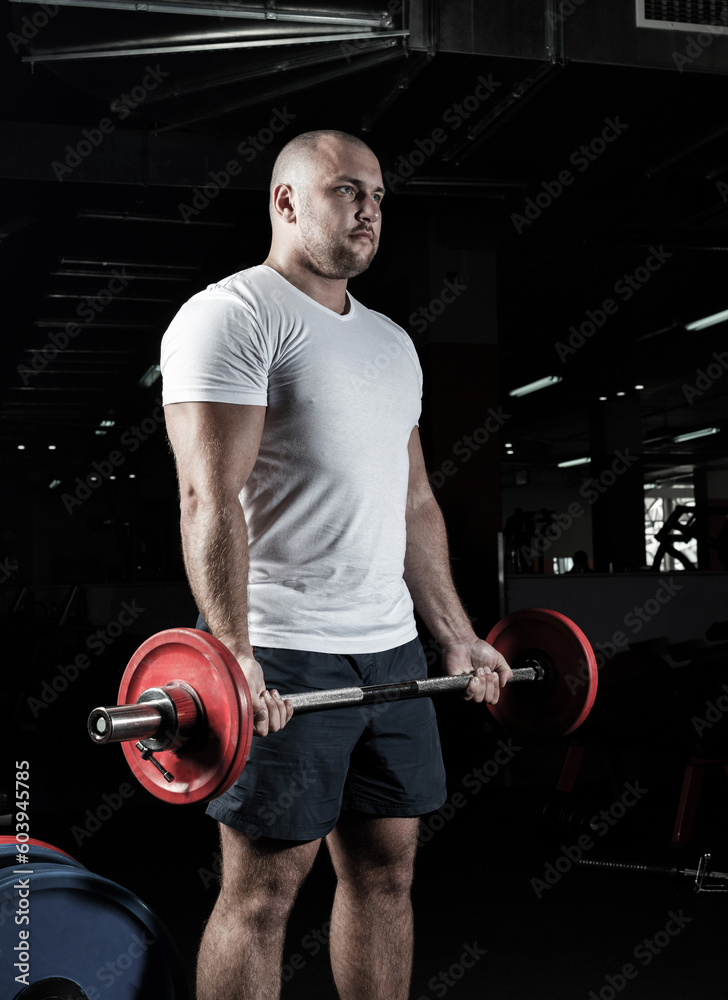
{"x": 371, "y": 923}
{"x": 241, "y": 951}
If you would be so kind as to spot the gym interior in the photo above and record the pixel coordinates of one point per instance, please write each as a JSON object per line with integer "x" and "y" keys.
{"x": 557, "y": 205}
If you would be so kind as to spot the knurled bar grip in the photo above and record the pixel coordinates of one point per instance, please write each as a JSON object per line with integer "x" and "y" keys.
{"x": 314, "y": 701}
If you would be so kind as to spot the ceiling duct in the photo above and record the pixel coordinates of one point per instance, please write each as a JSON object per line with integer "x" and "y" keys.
{"x": 675, "y": 35}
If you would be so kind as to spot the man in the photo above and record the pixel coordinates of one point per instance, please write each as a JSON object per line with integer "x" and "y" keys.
{"x": 309, "y": 528}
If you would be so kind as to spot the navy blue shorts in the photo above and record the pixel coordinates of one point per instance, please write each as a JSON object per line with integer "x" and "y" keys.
{"x": 381, "y": 760}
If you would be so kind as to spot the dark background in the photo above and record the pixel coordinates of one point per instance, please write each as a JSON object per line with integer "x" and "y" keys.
{"x": 476, "y": 111}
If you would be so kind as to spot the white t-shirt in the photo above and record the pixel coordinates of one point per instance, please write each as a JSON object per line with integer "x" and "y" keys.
{"x": 325, "y": 502}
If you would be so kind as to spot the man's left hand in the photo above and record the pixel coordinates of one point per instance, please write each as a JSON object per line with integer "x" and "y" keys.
{"x": 490, "y": 670}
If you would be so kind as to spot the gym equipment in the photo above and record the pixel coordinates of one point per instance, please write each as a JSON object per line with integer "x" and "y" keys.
{"x": 704, "y": 880}
{"x": 84, "y": 934}
{"x": 183, "y": 696}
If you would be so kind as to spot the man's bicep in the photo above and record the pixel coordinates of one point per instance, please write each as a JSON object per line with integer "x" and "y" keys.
{"x": 215, "y": 444}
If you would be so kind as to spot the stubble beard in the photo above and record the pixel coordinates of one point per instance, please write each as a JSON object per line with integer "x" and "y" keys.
{"x": 330, "y": 257}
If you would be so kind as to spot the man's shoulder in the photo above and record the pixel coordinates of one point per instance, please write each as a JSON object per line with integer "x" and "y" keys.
{"x": 251, "y": 283}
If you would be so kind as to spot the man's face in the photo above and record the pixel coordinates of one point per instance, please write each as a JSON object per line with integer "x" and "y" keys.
{"x": 339, "y": 211}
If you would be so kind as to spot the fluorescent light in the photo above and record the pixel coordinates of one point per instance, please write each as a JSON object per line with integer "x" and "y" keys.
{"x": 54, "y": 483}
{"x": 150, "y": 376}
{"x": 705, "y": 432}
{"x": 541, "y": 383}
{"x": 621, "y": 393}
{"x": 639, "y": 387}
{"x": 573, "y": 461}
{"x": 602, "y": 399}
{"x": 701, "y": 324}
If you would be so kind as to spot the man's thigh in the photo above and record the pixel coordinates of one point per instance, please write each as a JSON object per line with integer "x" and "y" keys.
{"x": 266, "y": 866}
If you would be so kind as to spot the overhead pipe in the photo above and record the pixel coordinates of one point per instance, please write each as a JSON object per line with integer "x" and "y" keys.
{"x": 271, "y": 12}
{"x": 60, "y": 56}
{"x": 292, "y": 86}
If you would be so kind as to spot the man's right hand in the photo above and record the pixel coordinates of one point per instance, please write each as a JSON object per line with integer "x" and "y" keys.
{"x": 270, "y": 711}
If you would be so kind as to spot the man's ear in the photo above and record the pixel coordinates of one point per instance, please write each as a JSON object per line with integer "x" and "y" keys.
{"x": 283, "y": 202}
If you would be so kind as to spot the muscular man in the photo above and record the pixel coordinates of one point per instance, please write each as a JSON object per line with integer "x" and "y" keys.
{"x": 309, "y": 529}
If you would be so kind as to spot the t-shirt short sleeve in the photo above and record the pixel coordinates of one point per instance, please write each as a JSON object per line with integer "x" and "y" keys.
{"x": 214, "y": 351}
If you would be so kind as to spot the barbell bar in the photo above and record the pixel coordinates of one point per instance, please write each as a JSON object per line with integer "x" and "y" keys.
{"x": 185, "y": 717}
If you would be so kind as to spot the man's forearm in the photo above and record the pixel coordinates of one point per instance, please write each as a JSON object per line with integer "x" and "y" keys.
{"x": 215, "y": 547}
{"x": 428, "y": 576}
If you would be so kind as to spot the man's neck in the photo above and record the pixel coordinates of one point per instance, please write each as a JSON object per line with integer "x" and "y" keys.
{"x": 328, "y": 292}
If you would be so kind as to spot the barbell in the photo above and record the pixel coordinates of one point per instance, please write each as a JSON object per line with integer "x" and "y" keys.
{"x": 185, "y": 715}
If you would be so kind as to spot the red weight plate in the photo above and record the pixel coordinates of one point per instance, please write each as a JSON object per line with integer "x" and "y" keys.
{"x": 559, "y": 704}
{"x": 206, "y": 665}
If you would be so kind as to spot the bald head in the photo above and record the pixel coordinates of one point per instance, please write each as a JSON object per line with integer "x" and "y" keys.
{"x": 300, "y": 158}
{"x": 325, "y": 200}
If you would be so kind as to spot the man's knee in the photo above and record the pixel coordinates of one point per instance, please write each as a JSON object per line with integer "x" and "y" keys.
{"x": 378, "y": 877}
